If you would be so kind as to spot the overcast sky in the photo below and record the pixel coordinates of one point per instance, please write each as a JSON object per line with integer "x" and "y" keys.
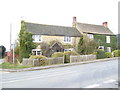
{"x": 54, "y": 12}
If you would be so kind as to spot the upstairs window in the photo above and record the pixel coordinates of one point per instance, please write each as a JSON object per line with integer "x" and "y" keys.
{"x": 67, "y": 39}
{"x": 107, "y": 39}
{"x": 36, "y": 38}
{"x": 90, "y": 36}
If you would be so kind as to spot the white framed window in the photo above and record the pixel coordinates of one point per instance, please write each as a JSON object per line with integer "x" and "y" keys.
{"x": 37, "y": 38}
{"x": 101, "y": 47}
{"x": 108, "y": 49}
{"x": 69, "y": 49}
{"x": 107, "y": 39}
{"x": 67, "y": 39}
{"x": 36, "y": 51}
{"x": 90, "y": 36}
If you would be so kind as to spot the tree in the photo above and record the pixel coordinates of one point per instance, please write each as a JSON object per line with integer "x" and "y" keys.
{"x": 2, "y": 51}
{"x": 86, "y": 45}
{"x": 25, "y": 42}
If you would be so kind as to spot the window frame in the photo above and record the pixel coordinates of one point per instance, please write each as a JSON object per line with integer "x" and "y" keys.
{"x": 103, "y": 48}
{"x": 108, "y": 49}
{"x": 107, "y": 39}
{"x": 37, "y": 38}
{"x": 90, "y": 35}
{"x": 35, "y": 51}
{"x": 67, "y": 39}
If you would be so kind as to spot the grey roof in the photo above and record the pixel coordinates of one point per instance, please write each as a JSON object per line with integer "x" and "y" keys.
{"x": 52, "y": 30}
{"x": 95, "y": 29}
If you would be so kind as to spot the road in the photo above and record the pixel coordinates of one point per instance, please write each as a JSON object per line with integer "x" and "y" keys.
{"x": 92, "y": 75}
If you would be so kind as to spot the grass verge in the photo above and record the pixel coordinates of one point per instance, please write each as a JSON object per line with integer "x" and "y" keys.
{"x": 7, "y": 65}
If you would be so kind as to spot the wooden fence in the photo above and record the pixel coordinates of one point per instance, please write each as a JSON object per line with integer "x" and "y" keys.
{"x": 59, "y": 60}
{"x": 43, "y": 62}
{"x": 82, "y": 58}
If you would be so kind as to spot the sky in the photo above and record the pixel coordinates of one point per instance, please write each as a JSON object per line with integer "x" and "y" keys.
{"x": 54, "y": 12}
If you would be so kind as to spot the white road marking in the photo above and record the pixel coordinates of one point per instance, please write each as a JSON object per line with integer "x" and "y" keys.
{"x": 92, "y": 86}
{"x": 110, "y": 81}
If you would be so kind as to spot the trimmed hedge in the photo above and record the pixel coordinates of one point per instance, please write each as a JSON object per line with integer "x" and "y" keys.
{"x": 101, "y": 54}
{"x": 108, "y": 54}
{"x": 57, "y": 54}
{"x": 116, "y": 53}
{"x": 37, "y": 57}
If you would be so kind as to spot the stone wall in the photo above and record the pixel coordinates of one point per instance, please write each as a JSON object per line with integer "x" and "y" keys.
{"x": 74, "y": 40}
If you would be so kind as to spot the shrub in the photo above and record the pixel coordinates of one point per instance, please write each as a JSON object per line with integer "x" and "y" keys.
{"x": 37, "y": 57}
{"x": 101, "y": 54}
{"x": 57, "y": 54}
{"x": 94, "y": 53}
{"x": 108, "y": 54}
{"x": 68, "y": 54}
{"x": 116, "y": 53}
{"x": 41, "y": 60}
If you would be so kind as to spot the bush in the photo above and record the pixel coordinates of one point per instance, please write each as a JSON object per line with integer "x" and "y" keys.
{"x": 37, "y": 57}
{"x": 68, "y": 54}
{"x": 116, "y": 53}
{"x": 101, "y": 54}
{"x": 108, "y": 54}
{"x": 57, "y": 54}
{"x": 41, "y": 60}
{"x": 94, "y": 53}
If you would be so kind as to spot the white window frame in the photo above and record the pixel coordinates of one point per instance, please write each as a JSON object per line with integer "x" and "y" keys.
{"x": 36, "y": 51}
{"x": 101, "y": 47}
{"x": 90, "y": 35}
{"x": 108, "y": 49}
{"x": 67, "y": 39}
{"x": 107, "y": 39}
{"x": 69, "y": 49}
{"x": 37, "y": 38}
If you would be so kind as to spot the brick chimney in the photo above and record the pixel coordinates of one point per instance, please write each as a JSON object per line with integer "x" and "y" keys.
{"x": 74, "y": 21}
{"x": 105, "y": 24}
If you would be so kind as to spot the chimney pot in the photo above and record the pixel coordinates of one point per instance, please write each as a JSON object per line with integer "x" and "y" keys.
{"x": 74, "y": 19}
{"x": 105, "y": 24}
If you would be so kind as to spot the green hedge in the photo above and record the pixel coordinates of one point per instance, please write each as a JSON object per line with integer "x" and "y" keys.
{"x": 101, "y": 54}
{"x": 57, "y": 54}
{"x": 37, "y": 57}
{"x": 116, "y": 53}
{"x": 108, "y": 54}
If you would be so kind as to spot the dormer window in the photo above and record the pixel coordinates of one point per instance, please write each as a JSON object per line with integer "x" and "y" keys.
{"x": 36, "y": 38}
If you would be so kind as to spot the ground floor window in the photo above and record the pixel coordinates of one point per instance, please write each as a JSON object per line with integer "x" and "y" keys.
{"x": 69, "y": 49}
{"x": 36, "y": 51}
{"x": 101, "y": 47}
{"x": 108, "y": 49}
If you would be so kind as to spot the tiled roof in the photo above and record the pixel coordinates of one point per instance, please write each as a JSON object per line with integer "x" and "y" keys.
{"x": 52, "y": 30}
{"x": 95, "y": 29}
